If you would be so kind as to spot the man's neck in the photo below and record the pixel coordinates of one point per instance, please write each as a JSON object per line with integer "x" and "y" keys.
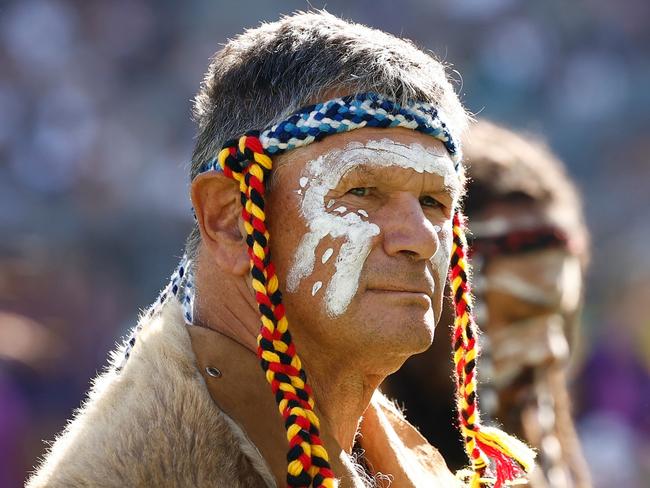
{"x": 240, "y": 390}
{"x": 342, "y": 393}
{"x": 343, "y": 390}
{"x": 391, "y": 445}
{"x": 231, "y": 312}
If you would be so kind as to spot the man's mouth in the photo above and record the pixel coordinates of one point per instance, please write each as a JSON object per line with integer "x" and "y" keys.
{"x": 405, "y": 291}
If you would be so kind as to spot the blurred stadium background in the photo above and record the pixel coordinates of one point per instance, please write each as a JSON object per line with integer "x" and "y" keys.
{"x": 95, "y": 136}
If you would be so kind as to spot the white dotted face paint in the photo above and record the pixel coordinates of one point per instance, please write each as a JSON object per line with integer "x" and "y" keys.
{"x": 326, "y": 255}
{"x": 316, "y": 287}
{"x": 362, "y": 212}
{"x": 303, "y": 181}
{"x": 324, "y": 174}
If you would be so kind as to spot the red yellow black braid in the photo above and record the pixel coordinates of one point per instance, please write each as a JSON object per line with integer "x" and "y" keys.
{"x": 482, "y": 444}
{"x": 308, "y": 463}
{"x": 464, "y": 346}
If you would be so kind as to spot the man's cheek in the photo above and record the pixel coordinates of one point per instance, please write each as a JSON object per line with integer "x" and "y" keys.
{"x": 336, "y": 274}
{"x": 348, "y": 267}
{"x": 341, "y": 241}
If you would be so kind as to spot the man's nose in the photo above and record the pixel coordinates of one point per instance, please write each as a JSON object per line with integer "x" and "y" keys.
{"x": 407, "y": 230}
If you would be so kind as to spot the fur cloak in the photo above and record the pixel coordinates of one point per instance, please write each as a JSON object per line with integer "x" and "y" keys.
{"x": 153, "y": 424}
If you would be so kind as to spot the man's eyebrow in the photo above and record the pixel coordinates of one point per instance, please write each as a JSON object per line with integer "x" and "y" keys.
{"x": 364, "y": 170}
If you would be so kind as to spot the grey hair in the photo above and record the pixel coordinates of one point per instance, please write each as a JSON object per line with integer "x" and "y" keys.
{"x": 263, "y": 75}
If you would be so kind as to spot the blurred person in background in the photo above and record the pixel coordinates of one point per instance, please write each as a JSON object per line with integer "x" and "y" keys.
{"x": 529, "y": 249}
{"x": 184, "y": 403}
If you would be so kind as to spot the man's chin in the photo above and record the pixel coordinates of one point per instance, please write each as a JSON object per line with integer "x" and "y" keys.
{"x": 406, "y": 331}
{"x": 385, "y": 331}
{"x": 415, "y": 338}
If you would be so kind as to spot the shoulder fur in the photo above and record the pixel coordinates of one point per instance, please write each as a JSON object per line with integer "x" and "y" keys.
{"x": 152, "y": 424}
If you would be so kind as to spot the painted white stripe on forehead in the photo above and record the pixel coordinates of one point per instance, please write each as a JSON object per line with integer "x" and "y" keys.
{"x": 389, "y": 153}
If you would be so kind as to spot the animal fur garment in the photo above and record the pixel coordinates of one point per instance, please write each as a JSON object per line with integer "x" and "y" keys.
{"x": 153, "y": 424}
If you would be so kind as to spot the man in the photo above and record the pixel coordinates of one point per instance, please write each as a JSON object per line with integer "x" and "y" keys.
{"x": 362, "y": 131}
{"x": 529, "y": 248}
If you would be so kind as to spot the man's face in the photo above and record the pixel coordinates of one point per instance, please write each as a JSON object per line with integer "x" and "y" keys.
{"x": 360, "y": 229}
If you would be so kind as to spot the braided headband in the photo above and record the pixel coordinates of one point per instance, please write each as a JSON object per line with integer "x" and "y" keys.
{"x": 315, "y": 122}
{"x": 248, "y": 161}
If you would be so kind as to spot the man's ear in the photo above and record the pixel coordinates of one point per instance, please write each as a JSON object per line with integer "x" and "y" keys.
{"x": 216, "y": 201}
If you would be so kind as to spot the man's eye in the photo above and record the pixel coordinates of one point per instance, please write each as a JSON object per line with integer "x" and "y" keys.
{"x": 427, "y": 201}
{"x": 360, "y": 191}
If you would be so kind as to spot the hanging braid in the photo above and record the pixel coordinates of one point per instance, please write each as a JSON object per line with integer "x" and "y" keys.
{"x": 511, "y": 457}
{"x": 308, "y": 461}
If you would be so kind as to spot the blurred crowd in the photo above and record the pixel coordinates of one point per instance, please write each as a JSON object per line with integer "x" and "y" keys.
{"x": 96, "y": 135}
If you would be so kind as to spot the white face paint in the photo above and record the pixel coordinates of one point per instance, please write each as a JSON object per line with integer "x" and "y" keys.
{"x": 440, "y": 260}
{"x": 413, "y": 156}
{"x": 326, "y": 255}
{"x": 324, "y": 174}
{"x": 316, "y": 287}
